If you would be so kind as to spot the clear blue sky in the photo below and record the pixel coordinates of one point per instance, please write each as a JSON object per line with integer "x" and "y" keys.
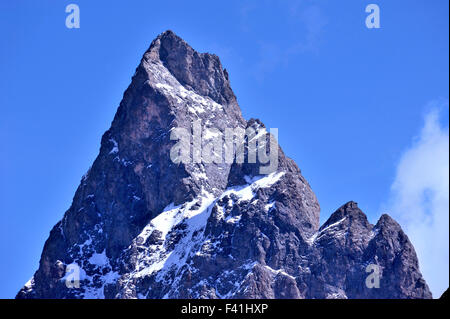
{"x": 347, "y": 100}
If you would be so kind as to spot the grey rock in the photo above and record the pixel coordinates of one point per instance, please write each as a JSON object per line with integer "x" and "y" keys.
{"x": 141, "y": 226}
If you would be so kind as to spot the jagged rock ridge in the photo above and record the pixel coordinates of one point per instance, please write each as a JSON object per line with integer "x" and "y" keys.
{"x": 141, "y": 226}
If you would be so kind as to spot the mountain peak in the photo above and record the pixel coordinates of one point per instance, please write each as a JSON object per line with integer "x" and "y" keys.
{"x": 201, "y": 72}
{"x": 170, "y": 39}
{"x": 349, "y": 211}
{"x": 168, "y": 33}
{"x": 145, "y": 225}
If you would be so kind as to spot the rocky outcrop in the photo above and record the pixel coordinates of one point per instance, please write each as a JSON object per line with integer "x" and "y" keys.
{"x": 347, "y": 244}
{"x": 144, "y": 226}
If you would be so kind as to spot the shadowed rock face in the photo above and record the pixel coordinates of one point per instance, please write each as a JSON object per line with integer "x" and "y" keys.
{"x": 141, "y": 226}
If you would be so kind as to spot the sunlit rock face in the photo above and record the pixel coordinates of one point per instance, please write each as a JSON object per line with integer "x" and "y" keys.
{"x": 144, "y": 226}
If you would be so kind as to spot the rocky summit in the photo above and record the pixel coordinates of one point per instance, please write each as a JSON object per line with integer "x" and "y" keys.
{"x": 142, "y": 225}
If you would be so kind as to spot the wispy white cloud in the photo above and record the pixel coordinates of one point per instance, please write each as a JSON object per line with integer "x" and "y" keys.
{"x": 299, "y": 29}
{"x": 420, "y": 198}
{"x": 313, "y": 20}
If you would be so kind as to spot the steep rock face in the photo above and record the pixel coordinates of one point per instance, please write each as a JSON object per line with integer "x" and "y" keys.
{"x": 143, "y": 226}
